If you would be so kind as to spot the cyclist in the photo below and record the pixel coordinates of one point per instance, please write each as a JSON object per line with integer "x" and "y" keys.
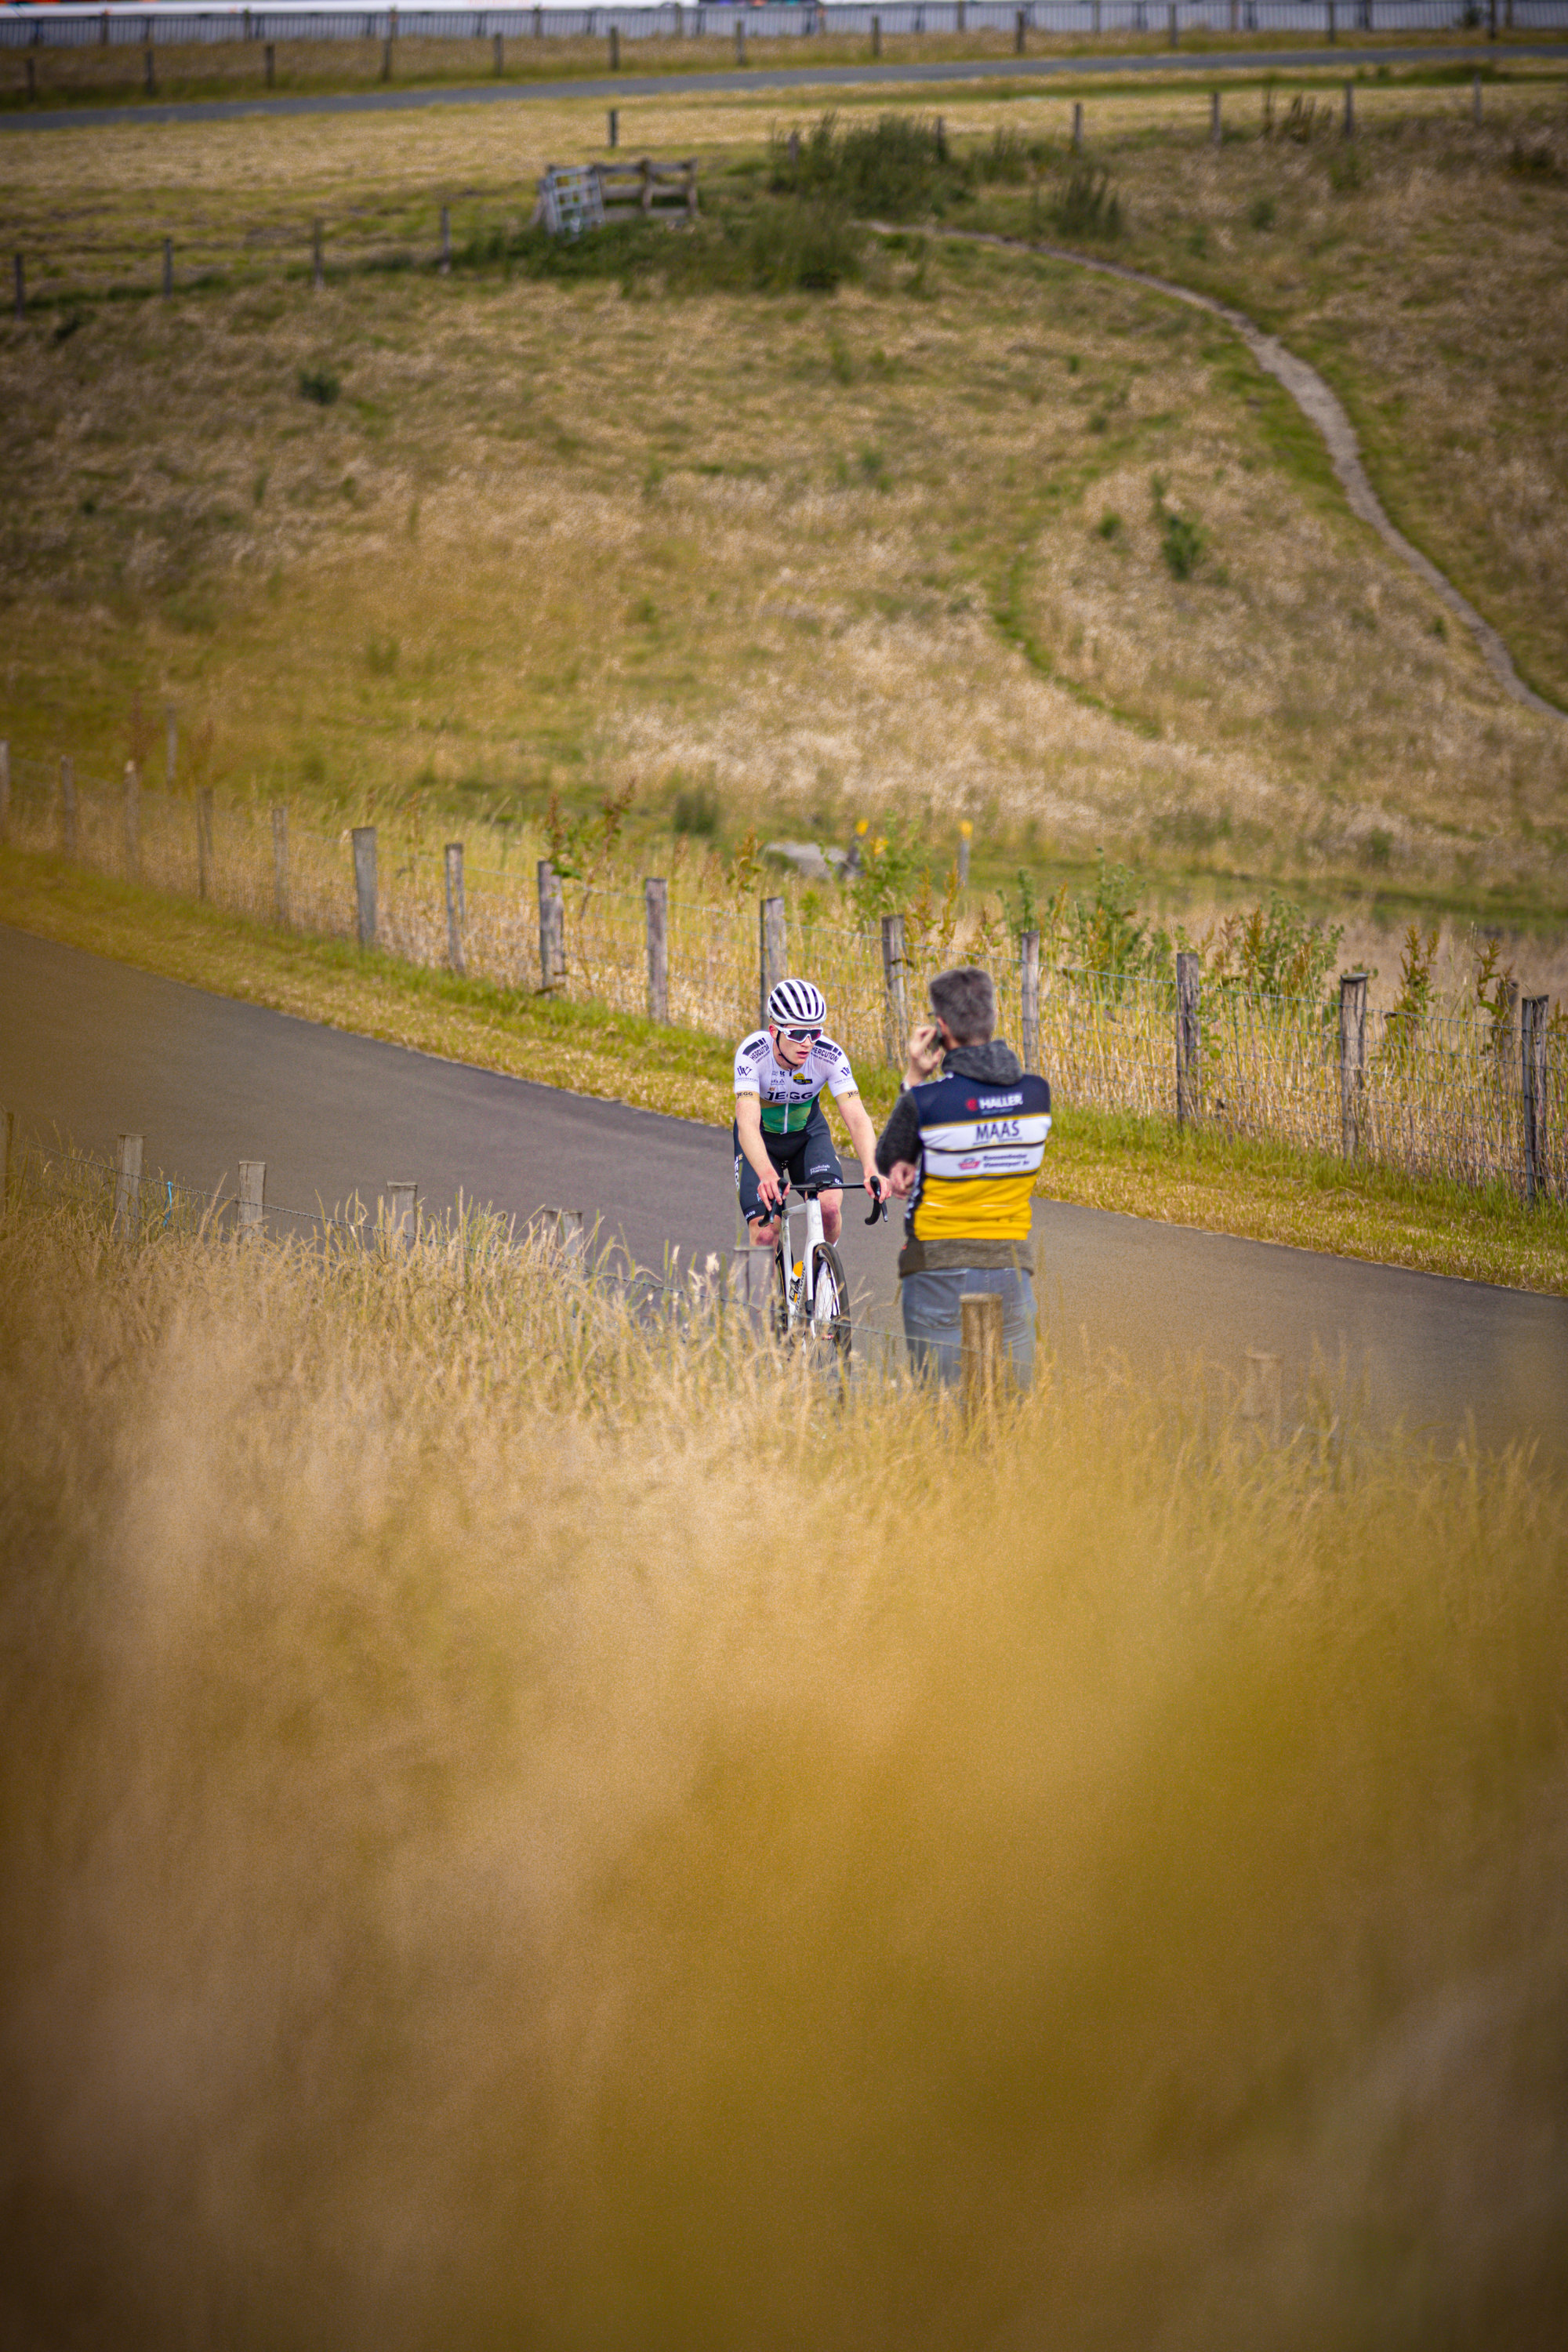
{"x": 781, "y": 1132}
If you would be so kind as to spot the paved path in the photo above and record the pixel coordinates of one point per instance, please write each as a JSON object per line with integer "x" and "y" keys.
{"x": 89, "y": 1049}
{"x": 623, "y": 88}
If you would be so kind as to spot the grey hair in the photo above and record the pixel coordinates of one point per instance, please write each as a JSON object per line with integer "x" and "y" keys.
{"x": 966, "y": 1000}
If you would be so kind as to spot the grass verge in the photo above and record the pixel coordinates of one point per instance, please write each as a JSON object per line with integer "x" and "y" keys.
{"x": 1144, "y": 1167}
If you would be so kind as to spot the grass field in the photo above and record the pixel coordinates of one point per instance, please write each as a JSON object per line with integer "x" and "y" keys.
{"x": 901, "y": 548}
{"x": 463, "y": 1885}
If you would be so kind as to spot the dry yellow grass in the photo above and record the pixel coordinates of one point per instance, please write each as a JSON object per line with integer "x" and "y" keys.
{"x": 471, "y": 1877}
{"x": 549, "y": 533}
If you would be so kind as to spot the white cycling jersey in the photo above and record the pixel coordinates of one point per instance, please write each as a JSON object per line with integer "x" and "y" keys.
{"x": 789, "y": 1097}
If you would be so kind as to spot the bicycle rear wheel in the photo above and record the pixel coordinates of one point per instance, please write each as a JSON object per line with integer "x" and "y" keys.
{"x": 830, "y": 1304}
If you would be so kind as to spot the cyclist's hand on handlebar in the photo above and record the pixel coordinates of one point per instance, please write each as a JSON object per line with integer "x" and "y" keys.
{"x": 770, "y": 1192}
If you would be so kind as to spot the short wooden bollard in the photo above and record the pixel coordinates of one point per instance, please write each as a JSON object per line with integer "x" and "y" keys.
{"x": 1260, "y": 1393}
{"x": 280, "y": 863}
{"x": 401, "y": 1215}
{"x": 770, "y": 954}
{"x": 740, "y": 41}
{"x": 876, "y": 37}
{"x": 1352, "y": 1059}
{"x": 566, "y": 1229}
{"x": 67, "y": 808}
{"x": 1532, "y": 1092}
{"x": 1175, "y": 31}
{"x": 456, "y": 909}
{"x": 613, "y": 128}
{"x": 270, "y": 65}
{"x": 1189, "y": 1041}
{"x": 1334, "y": 22}
{"x": 1029, "y": 999}
{"x": 983, "y": 1350}
{"x": 656, "y": 904}
{"x": 500, "y": 46}
{"x": 1019, "y": 30}
{"x": 204, "y": 869}
{"x": 168, "y": 265}
{"x": 364, "y": 884}
{"x": 252, "y": 1199}
{"x": 615, "y": 49}
{"x": 132, "y": 820}
{"x": 387, "y": 53}
{"x": 895, "y": 999}
{"x": 127, "y": 1183}
{"x": 551, "y": 929}
{"x": 5, "y": 792}
{"x": 1077, "y": 126}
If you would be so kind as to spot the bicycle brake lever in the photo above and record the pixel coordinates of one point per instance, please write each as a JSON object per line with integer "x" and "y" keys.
{"x": 878, "y": 1209}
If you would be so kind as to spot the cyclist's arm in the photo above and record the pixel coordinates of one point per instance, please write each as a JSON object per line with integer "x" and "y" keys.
{"x": 863, "y": 1136}
{"x": 749, "y": 1128}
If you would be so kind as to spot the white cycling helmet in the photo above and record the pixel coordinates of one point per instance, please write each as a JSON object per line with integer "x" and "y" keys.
{"x": 796, "y": 1005}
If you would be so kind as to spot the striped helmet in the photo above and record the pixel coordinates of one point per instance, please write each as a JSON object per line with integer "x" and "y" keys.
{"x": 796, "y": 1003}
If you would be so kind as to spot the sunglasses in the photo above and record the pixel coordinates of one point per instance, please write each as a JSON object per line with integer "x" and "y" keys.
{"x": 801, "y": 1036}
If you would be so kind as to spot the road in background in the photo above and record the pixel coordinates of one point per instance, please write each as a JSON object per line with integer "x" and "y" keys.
{"x": 622, "y": 88}
{"x": 90, "y": 1049}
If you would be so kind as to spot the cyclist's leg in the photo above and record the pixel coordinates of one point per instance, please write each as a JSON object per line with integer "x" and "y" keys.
{"x": 761, "y": 1224}
{"x": 818, "y": 1164}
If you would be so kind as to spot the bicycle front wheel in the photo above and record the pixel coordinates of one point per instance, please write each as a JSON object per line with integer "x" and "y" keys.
{"x": 830, "y": 1302}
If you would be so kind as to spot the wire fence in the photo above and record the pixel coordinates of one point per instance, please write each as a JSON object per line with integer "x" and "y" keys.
{"x": 1471, "y": 1094}
{"x": 167, "y": 24}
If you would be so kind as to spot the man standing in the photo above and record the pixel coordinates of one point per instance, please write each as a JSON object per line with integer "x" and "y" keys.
{"x": 962, "y": 1149}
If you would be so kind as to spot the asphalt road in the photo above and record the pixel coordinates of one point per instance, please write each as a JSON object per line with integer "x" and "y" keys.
{"x": 89, "y": 1049}
{"x": 623, "y": 88}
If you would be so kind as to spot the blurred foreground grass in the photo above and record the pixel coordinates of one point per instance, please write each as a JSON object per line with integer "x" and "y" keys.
{"x": 478, "y": 1871}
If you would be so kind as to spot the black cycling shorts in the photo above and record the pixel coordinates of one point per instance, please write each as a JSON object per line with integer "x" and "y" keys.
{"x": 808, "y": 1157}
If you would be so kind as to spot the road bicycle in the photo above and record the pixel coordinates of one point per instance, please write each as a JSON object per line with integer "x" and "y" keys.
{"x": 810, "y": 1302}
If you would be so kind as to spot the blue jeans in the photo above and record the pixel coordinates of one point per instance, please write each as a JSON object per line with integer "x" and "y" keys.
{"x": 932, "y": 1318}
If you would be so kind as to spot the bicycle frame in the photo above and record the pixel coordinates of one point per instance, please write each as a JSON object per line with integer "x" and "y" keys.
{"x": 801, "y": 1304}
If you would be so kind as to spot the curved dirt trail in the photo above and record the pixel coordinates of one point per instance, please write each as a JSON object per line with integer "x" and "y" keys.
{"x": 1322, "y": 408}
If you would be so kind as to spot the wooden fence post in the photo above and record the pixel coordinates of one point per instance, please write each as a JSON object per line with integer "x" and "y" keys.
{"x": 983, "y": 1350}
{"x": 615, "y": 49}
{"x": 252, "y": 1197}
{"x": 204, "y": 841}
{"x": 402, "y": 1213}
{"x": 280, "y": 863}
{"x": 364, "y": 884}
{"x": 1029, "y": 999}
{"x": 656, "y": 900}
{"x": 770, "y": 954}
{"x": 1352, "y": 1059}
{"x": 739, "y": 40}
{"x": 132, "y": 820}
{"x": 149, "y": 71}
{"x": 551, "y": 928}
{"x": 876, "y": 37}
{"x": 1176, "y": 28}
{"x": 270, "y": 65}
{"x": 1189, "y": 1040}
{"x": 1532, "y": 1041}
{"x": 67, "y": 808}
{"x": 127, "y": 1183}
{"x": 1334, "y": 22}
{"x": 500, "y": 56}
{"x": 1077, "y": 126}
{"x": 456, "y": 909}
{"x": 5, "y": 792}
{"x": 613, "y": 127}
{"x": 894, "y": 992}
